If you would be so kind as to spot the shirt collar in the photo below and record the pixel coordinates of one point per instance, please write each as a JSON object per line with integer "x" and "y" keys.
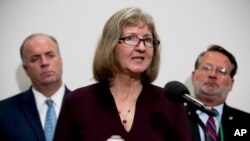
{"x": 219, "y": 109}
{"x": 57, "y": 97}
{"x": 204, "y": 116}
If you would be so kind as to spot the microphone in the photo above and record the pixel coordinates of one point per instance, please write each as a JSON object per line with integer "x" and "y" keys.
{"x": 115, "y": 138}
{"x": 178, "y": 92}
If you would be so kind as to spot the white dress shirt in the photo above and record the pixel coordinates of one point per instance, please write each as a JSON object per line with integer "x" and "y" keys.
{"x": 42, "y": 106}
{"x": 204, "y": 117}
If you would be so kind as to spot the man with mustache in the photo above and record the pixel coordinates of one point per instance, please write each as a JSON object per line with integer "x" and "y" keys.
{"x": 212, "y": 80}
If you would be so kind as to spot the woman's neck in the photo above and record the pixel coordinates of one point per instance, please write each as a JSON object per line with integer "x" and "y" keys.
{"x": 125, "y": 93}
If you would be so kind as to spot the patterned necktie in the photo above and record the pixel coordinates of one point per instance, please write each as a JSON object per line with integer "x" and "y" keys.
{"x": 211, "y": 127}
{"x": 50, "y": 121}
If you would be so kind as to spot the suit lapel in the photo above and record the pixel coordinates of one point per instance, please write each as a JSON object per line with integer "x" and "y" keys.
{"x": 32, "y": 115}
{"x": 29, "y": 108}
{"x": 226, "y": 122}
{"x": 66, "y": 91}
{"x": 194, "y": 131}
{"x": 193, "y": 123}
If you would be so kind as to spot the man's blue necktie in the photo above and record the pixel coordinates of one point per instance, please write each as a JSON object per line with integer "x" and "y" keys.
{"x": 50, "y": 121}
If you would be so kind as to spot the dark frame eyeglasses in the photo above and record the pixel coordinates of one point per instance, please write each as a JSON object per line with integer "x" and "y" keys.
{"x": 135, "y": 41}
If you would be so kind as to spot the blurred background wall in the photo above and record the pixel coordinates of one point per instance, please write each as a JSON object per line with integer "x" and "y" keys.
{"x": 185, "y": 27}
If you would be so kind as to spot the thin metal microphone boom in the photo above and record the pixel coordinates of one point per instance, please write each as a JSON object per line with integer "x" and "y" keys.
{"x": 178, "y": 92}
{"x": 199, "y": 105}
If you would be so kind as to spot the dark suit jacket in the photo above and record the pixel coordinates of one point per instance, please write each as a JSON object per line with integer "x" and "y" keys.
{"x": 233, "y": 120}
{"x": 19, "y": 118}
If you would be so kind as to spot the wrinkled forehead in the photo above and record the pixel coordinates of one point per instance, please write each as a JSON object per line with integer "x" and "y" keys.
{"x": 38, "y": 40}
{"x": 216, "y": 58}
{"x": 39, "y": 45}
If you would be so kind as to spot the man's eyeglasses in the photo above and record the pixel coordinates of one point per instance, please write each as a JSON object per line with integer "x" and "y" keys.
{"x": 209, "y": 68}
{"x": 135, "y": 41}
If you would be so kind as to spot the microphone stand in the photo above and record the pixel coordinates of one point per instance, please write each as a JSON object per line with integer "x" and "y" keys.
{"x": 196, "y": 118}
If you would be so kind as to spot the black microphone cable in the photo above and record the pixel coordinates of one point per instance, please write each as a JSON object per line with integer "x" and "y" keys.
{"x": 196, "y": 118}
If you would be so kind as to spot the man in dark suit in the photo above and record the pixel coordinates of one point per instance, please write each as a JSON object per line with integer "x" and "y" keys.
{"x": 23, "y": 116}
{"x": 213, "y": 79}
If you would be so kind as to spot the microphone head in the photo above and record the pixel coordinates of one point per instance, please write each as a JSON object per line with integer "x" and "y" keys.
{"x": 174, "y": 90}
